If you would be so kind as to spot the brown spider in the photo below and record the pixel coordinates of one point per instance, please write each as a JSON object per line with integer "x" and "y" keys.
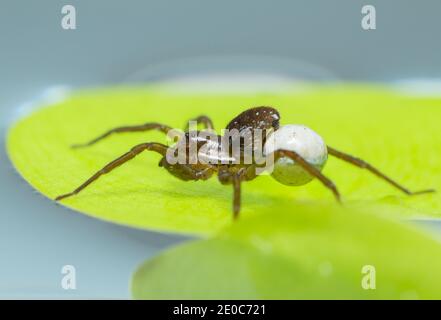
{"x": 298, "y": 154}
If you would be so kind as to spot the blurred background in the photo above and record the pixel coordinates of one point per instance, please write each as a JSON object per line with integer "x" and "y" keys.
{"x": 134, "y": 40}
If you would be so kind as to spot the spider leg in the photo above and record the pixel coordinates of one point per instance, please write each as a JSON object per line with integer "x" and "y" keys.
{"x": 137, "y": 128}
{"x": 237, "y": 179}
{"x": 364, "y": 165}
{"x": 310, "y": 169}
{"x": 152, "y": 146}
{"x": 228, "y": 175}
{"x": 206, "y": 121}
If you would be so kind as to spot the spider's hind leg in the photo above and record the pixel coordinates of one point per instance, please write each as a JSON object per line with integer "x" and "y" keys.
{"x": 151, "y": 146}
{"x": 364, "y": 165}
{"x": 313, "y": 171}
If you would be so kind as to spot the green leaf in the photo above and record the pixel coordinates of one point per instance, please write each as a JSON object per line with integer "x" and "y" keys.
{"x": 400, "y": 135}
{"x": 310, "y": 252}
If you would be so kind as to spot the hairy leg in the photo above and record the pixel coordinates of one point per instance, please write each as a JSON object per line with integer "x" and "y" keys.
{"x": 310, "y": 169}
{"x": 228, "y": 175}
{"x": 143, "y": 127}
{"x": 206, "y": 122}
{"x": 152, "y": 146}
{"x": 364, "y": 165}
{"x": 237, "y": 180}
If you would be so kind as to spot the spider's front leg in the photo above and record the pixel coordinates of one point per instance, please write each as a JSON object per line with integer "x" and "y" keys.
{"x": 136, "y": 128}
{"x": 204, "y": 120}
{"x": 364, "y": 165}
{"x": 151, "y": 146}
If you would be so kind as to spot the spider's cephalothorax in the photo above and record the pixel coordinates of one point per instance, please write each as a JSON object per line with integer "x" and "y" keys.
{"x": 294, "y": 154}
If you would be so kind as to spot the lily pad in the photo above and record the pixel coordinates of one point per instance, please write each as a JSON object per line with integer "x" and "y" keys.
{"x": 310, "y": 252}
{"x": 400, "y": 135}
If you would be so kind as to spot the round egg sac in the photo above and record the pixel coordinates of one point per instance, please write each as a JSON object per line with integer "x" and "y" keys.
{"x": 306, "y": 143}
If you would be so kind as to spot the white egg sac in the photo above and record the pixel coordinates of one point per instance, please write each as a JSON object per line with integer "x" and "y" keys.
{"x": 306, "y": 143}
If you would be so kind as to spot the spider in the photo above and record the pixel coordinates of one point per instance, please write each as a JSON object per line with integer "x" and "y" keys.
{"x": 299, "y": 154}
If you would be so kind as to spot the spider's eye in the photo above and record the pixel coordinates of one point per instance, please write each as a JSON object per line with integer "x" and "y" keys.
{"x": 305, "y": 142}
